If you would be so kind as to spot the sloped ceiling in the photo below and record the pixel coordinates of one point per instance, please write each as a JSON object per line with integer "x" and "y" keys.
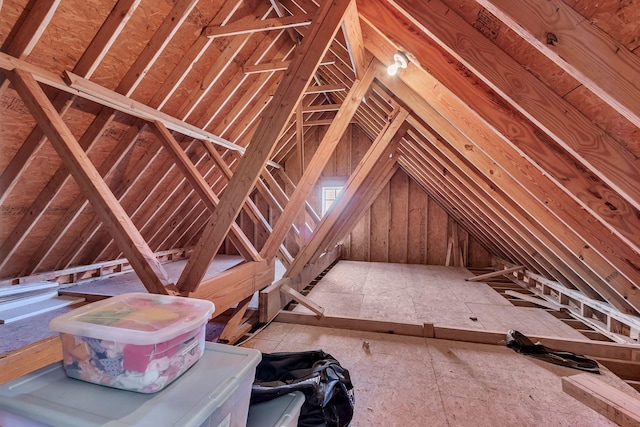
{"x": 520, "y": 117}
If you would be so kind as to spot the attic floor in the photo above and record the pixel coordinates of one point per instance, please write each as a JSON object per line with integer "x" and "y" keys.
{"x": 410, "y": 381}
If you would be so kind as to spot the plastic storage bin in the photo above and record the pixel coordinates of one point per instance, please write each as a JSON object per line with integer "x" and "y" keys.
{"x": 281, "y": 412}
{"x": 215, "y": 392}
{"x": 138, "y": 342}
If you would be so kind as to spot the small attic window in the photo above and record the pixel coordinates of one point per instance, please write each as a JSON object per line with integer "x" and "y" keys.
{"x": 329, "y": 195}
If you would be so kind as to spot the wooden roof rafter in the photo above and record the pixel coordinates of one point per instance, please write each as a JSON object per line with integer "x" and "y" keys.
{"x": 444, "y": 102}
{"x": 534, "y": 212}
{"x": 591, "y": 56}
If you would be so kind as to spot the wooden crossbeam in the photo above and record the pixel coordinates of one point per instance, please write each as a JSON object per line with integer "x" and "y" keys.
{"x": 483, "y": 277}
{"x": 257, "y": 25}
{"x": 123, "y": 231}
{"x": 321, "y": 108}
{"x": 231, "y": 286}
{"x": 324, "y": 89}
{"x": 267, "y": 67}
{"x": 276, "y": 116}
{"x": 614, "y": 404}
{"x": 319, "y": 159}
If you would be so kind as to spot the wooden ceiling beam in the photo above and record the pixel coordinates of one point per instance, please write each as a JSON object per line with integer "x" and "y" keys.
{"x": 256, "y": 25}
{"x": 321, "y": 108}
{"x": 590, "y": 55}
{"x": 319, "y": 159}
{"x": 142, "y": 259}
{"x": 308, "y": 57}
{"x": 599, "y": 154}
{"x": 324, "y": 89}
{"x": 201, "y": 187}
{"x": 266, "y": 67}
{"x": 353, "y": 37}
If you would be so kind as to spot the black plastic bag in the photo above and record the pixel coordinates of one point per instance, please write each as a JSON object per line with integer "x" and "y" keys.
{"x": 329, "y": 397}
{"x": 520, "y": 343}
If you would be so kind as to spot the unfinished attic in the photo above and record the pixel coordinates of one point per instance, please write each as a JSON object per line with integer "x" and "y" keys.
{"x": 398, "y": 183}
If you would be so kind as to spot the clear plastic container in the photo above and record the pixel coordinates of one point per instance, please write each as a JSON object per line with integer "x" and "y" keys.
{"x": 215, "y": 392}
{"x": 282, "y": 411}
{"x": 137, "y": 341}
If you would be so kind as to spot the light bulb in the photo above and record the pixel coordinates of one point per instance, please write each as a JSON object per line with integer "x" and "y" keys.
{"x": 400, "y": 60}
{"x": 393, "y": 69}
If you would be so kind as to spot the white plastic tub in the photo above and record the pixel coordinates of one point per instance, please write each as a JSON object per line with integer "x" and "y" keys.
{"x": 215, "y": 392}
{"x": 137, "y": 342}
{"x": 283, "y": 411}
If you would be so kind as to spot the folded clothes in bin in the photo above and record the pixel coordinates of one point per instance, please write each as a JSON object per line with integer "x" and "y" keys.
{"x": 329, "y": 396}
{"x": 136, "y": 341}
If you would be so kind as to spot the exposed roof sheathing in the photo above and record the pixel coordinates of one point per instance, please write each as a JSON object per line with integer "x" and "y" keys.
{"x": 521, "y": 118}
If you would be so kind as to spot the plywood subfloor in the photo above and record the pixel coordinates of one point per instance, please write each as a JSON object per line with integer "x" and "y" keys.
{"x": 426, "y": 293}
{"x": 409, "y": 381}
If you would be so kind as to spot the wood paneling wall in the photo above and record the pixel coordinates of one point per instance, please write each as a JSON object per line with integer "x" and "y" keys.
{"x": 403, "y": 225}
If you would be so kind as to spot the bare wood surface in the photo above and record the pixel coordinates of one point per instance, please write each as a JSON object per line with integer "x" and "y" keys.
{"x": 583, "y": 50}
{"x": 619, "y": 407}
{"x": 124, "y": 232}
{"x": 287, "y": 96}
{"x": 319, "y": 160}
{"x": 498, "y": 273}
{"x": 26, "y": 359}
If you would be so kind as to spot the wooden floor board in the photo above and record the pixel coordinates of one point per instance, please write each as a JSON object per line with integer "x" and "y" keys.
{"x": 401, "y": 379}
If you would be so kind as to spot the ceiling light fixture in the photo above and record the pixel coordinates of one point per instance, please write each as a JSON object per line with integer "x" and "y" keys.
{"x": 400, "y": 60}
